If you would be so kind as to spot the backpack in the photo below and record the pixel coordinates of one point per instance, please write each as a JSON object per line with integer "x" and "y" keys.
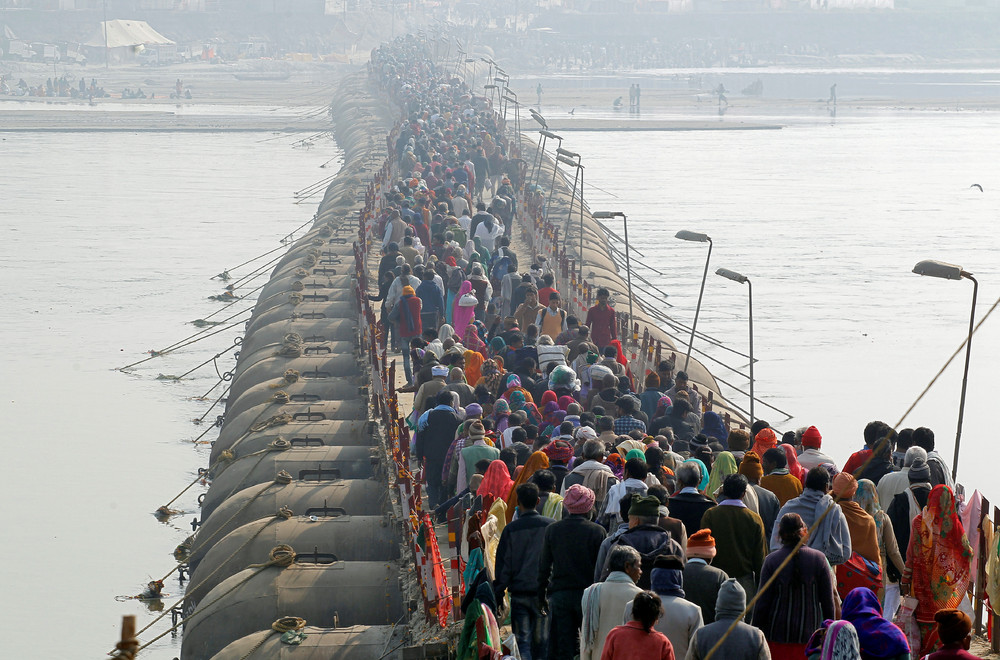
{"x": 500, "y": 268}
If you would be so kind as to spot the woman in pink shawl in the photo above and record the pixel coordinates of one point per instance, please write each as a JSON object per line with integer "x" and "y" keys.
{"x": 472, "y": 341}
{"x": 462, "y": 314}
{"x": 794, "y": 467}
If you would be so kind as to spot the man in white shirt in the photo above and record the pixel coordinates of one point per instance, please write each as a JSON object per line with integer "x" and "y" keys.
{"x": 811, "y": 456}
{"x": 897, "y": 482}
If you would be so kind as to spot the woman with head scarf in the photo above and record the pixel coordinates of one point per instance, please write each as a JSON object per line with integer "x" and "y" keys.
{"x": 764, "y": 440}
{"x": 514, "y": 385}
{"x": 792, "y": 463}
{"x": 501, "y": 415}
{"x": 455, "y": 279}
{"x": 703, "y": 484}
{"x": 472, "y": 340}
{"x": 725, "y": 465}
{"x": 864, "y": 538}
{"x": 564, "y": 402}
{"x": 616, "y": 462}
{"x": 713, "y": 427}
{"x": 497, "y": 347}
{"x": 531, "y": 411}
{"x": 446, "y": 332}
{"x": 893, "y": 563}
{"x": 496, "y": 481}
{"x": 537, "y": 461}
{"x": 473, "y": 367}
{"x": 938, "y": 562}
{"x": 879, "y": 639}
{"x": 464, "y": 308}
{"x": 548, "y": 396}
{"x": 492, "y": 377}
{"x": 551, "y": 418}
{"x": 835, "y": 640}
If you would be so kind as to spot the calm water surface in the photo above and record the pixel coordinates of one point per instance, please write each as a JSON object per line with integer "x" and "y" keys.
{"x": 827, "y": 218}
{"x": 109, "y": 243}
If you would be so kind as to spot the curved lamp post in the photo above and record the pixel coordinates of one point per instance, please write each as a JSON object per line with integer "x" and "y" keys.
{"x": 743, "y": 279}
{"x": 948, "y": 271}
{"x": 686, "y": 235}
{"x": 605, "y": 215}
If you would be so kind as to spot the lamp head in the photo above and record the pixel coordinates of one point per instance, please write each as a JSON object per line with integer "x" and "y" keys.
{"x": 568, "y": 161}
{"x": 933, "y": 268}
{"x": 605, "y": 215}
{"x": 686, "y": 235}
{"x": 732, "y": 275}
{"x": 565, "y": 152}
{"x": 550, "y": 135}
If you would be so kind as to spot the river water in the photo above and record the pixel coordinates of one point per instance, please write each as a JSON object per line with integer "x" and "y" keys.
{"x": 109, "y": 243}
{"x": 827, "y": 217}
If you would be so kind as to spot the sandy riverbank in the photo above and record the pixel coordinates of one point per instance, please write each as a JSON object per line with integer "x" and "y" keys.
{"x": 219, "y": 101}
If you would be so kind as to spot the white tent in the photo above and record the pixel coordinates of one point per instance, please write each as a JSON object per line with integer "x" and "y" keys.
{"x": 127, "y": 33}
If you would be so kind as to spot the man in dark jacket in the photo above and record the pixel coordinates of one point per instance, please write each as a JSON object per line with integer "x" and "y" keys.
{"x": 688, "y": 504}
{"x": 566, "y": 568}
{"x": 517, "y": 570}
{"x": 646, "y": 536}
{"x": 432, "y": 442}
{"x": 906, "y": 505}
{"x": 702, "y": 581}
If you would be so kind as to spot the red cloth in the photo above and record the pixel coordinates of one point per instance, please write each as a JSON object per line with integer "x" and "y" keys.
{"x": 787, "y": 651}
{"x": 544, "y": 293}
{"x": 631, "y": 641}
{"x": 603, "y": 327}
{"x": 794, "y": 468}
{"x": 856, "y": 460}
{"x": 496, "y": 481}
{"x": 409, "y": 317}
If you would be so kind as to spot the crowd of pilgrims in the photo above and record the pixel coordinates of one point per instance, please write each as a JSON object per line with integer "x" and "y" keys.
{"x": 613, "y": 514}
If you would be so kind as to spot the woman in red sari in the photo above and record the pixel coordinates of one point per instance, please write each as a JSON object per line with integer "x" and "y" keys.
{"x": 938, "y": 563}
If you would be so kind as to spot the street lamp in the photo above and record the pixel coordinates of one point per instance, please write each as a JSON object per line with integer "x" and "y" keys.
{"x": 743, "y": 279}
{"x": 605, "y": 215}
{"x": 947, "y": 271}
{"x": 686, "y": 235}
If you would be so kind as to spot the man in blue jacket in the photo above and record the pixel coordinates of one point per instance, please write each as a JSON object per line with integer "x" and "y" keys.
{"x": 432, "y": 302}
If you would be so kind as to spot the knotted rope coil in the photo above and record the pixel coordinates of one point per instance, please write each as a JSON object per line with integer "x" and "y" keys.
{"x": 291, "y": 376}
{"x": 270, "y": 422}
{"x": 282, "y": 555}
{"x": 283, "y": 477}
